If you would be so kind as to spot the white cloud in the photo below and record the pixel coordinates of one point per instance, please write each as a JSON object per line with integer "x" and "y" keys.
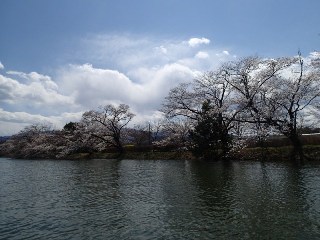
{"x": 138, "y": 71}
{"x": 150, "y": 116}
{"x": 95, "y": 86}
{"x": 1, "y": 66}
{"x": 126, "y": 53}
{"x": 34, "y": 93}
{"x": 195, "y": 42}
{"x": 18, "y": 120}
{"x": 225, "y": 52}
{"x": 21, "y": 117}
{"x": 202, "y": 55}
{"x": 46, "y": 81}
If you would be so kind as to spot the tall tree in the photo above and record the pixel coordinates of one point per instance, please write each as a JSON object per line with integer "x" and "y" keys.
{"x": 218, "y": 100}
{"x": 183, "y": 102}
{"x": 108, "y": 124}
{"x": 274, "y": 92}
{"x": 288, "y": 98}
{"x": 210, "y": 140}
{"x": 209, "y": 93}
{"x": 248, "y": 78}
{"x": 267, "y": 95}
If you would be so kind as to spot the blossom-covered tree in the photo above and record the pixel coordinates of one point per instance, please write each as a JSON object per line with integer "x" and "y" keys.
{"x": 289, "y": 96}
{"x": 187, "y": 101}
{"x": 34, "y": 141}
{"x": 263, "y": 95}
{"x": 107, "y": 124}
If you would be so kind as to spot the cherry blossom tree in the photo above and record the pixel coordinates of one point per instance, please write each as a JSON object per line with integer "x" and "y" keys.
{"x": 186, "y": 102}
{"x": 107, "y": 124}
{"x": 264, "y": 95}
{"x": 289, "y": 96}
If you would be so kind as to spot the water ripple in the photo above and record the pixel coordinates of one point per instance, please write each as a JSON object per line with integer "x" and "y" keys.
{"x": 157, "y": 200}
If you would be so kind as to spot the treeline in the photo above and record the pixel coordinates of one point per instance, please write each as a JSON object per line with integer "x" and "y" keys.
{"x": 248, "y": 98}
{"x": 214, "y": 116}
{"x": 103, "y": 130}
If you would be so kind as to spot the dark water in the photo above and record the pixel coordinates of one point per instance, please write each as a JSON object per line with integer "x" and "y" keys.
{"x": 110, "y": 199}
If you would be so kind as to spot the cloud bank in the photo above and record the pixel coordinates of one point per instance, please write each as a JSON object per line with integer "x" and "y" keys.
{"x": 138, "y": 71}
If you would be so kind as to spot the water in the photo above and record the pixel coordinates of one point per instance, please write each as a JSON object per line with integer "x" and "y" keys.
{"x": 129, "y": 199}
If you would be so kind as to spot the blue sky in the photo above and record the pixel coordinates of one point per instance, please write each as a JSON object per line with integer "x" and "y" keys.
{"x": 59, "y": 58}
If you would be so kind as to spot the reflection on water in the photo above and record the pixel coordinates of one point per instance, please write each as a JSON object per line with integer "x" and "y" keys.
{"x": 128, "y": 199}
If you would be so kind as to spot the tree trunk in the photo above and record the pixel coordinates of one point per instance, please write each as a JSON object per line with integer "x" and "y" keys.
{"x": 118, "y": 143}
{"x": 224, "y": 144}
{"x": 297, "y": 147}
{"x": 224, "y": 137}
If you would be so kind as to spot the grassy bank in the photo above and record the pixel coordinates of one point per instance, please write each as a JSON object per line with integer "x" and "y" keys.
{"x": 268, "y": 154}
{"x": 312, "y": 152}
{"x": 135, "y": 155}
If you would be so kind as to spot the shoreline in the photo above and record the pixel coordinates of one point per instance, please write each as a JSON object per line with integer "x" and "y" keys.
{"x": 312, "y": 152}
{"x": 274, "y": 154}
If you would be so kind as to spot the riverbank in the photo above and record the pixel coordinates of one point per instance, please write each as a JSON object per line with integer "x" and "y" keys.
{"x": 312, "y": 152}
{"x": 173, "y": 155}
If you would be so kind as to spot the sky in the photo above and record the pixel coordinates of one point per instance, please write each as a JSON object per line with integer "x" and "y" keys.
{"x": 63, "y": 57}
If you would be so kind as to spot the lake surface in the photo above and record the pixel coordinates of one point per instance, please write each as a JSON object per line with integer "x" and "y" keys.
{"x": 132, "y": 199}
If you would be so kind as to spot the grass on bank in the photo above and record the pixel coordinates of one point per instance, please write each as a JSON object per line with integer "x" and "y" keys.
{"x": 172, "y": 155}
{"x": 312, "y": 152}
{"x": 255, "y": 153}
